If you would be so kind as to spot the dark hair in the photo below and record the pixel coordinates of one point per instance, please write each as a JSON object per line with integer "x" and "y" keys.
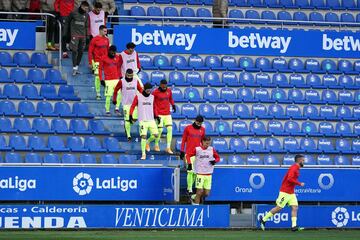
{"x": 85, "y": 4}
{"x": 206, "y": 138}
{"x": 298, "y": 156}
{"x": 163, "y": 81}
{"x": 129, "y": 71}
{"x": 199, "y": 118}
{"x": 147, "y": 86}
{"x": 130, "y": 45}
{"x": 97, "y": 5}
{"x": 102, "y": 27}
{"x": 113, "y": 48}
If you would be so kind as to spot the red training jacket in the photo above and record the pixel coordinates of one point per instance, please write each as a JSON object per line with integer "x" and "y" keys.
{"x": 290, "y": 180}
{"x": 192, "y": 138}
{"x": 163, "y": 101}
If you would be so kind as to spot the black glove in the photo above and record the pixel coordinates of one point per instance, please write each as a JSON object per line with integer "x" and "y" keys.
{"x": 212, "y": 162}
{"x": 139, "y": 71}
{"x": 158, "y": 120}
{"x": 114, "y": 102}
{"x": 102, "y": 83}
{"x": 189, "y": 167}
{"x": 174, "y": 108}
{"x": 182, "y": 155}
{"x": 131, "y": 120}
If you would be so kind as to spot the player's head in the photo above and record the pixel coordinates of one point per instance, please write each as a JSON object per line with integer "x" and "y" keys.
{"x": 97, "y": 7}
{"x": 130, "y": 47}
{"x": 102, "y": 30}
{"x": 163, "y": 85}
{"x": 300, "y": 159}
{"x": 84, "y": 7}
{"x": 112, "y": 51}
{"x": 198, "y": 122}
{"x": 129, "y": 75}
{"x": 147, "y": 89}
{"x": 206, "y": 141}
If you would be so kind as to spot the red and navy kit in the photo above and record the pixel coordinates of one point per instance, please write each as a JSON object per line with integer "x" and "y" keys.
{"x": 192, "y": 138}
{"x": 110, "y": 67}
{"x": 290, "y": 180}
{"x": 163, "y": 101}
{"x": 98, "y": 48}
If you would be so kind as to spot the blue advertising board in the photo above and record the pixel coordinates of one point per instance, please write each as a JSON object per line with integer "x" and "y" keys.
{"x": 260, "y": 184}
{"x": 114, "y": 216}
{"x": 87, "y": 183}
{"x": 17, "y": 35}
{"x": 257, "y": 42}
{"x": 313, "y": 217}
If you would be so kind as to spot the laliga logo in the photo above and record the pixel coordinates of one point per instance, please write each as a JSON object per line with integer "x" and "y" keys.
{"x": 340, "y": 217}
{"x": 326, "y": 186}
{"x": 82, "y": 183}
{"x": 257, "y": 185}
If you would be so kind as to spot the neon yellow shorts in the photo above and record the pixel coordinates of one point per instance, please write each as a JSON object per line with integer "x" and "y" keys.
{"x": 110, "y": 87}
{"x": 126, "y": 109}
{"x": 148, "y": 125}
{"x": 286, "y": 199}
{"x": 203, "y": 182}
{"x": 165, "y": 120}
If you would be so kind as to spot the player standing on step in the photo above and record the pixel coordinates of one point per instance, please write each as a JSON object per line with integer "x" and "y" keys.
{"x": 129, "y": 58}
{"x": 98, "y": 48}
{"x": 129, "y": 87}
{"x": 109, "y": 65}
{"x": 163, "y": 100}
{"x": 147, "y": 113}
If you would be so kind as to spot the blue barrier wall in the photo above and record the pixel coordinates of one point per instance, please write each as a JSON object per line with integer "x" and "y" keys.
{"x": 17, "y": 35}
{"x": 258, "y": 42}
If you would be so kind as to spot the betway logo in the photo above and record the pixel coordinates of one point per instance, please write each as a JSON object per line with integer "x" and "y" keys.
{"x": 347, "y": 43}
{"x": 8, "y": 36}
{"x": 159, "y": 37}
{"x": 255, "y": 40}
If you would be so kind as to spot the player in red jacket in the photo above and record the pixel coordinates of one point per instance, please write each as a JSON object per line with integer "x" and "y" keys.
{"x": 191, "y": 138}
{"x": 109, "y": 65}
{"x": 163, "y": 100}
{"x": 64, "y": 8}
{"x": 287, "y": 195}
{"x": 98, "y": 48}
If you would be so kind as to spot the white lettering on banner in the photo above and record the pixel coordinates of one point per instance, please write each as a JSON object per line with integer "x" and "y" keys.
{"x": 347, "y": 43}
{"x": 54, "y": 209}
{"x": 255, "y": 40}
{"x": 8, "y": 36}
{"x": 42, "y": 222}
{"x": 163, "y": 217}
{"x": 277, "y": 218}
{"x": 159, "y": 37}
{"x": 17, "y": 183}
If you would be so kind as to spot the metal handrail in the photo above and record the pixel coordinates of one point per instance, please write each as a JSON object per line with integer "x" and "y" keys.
{"x": 38, "y": 14}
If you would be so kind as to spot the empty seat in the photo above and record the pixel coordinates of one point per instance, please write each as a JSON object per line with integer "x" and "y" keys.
{"x": 196, "y": 62}
{"x": 33, "y": 158}
{"x": 236, "y": 160}
{"x": 179, "y": 62}
{"x": 273, "y": 145}
{"x": 7, "y": 108}
{"x": 268, "y": 15}
{"x": 242, "y": 111}
{"x": 236, "y": 14}
{"x": 69, "y": 158}
{"x": 343, "y": 146}
{"x": 246, "y": 63}
{"x": 325, "y": 145}
{"x": 259, "y": 111}
{"x": 187, "y": 12}
{"x": 67, "y": 92}
{"x": 296, "y": 65}
{"x": 178, "y": 95}
{"x": 82, "y": 110}
{"x": 109, "y": 159}
{"x": 207, "y": 111}
{"x": 258, "y": 128}
{"x": 56, "y": 144}
{"x": 220, "y": 145}
{"x": 75, "y": 144}
{"x": 177, "y": 78}
{"x": 37, "y": 143}
{"x": 252, "y": 14}
{"x": 112, "y": 144}
{"x": 245, "y": 95}
{"x": 4, "y": 76}
{"x": 297, "y": 80}
{"x": 87, "y": 159}
{"x": 223, "y": 128}
{"x": 284, "y": 15}
{"x": 213, "y": 62}
{"x": 313, "y": 80}
{"x": 312, "y": 96}
{"x": 49, "y": 92}
{"x": 22, "y": 125}
{"x": 40, "y": 60}
{"x": 41, "y": 125}
{"x": 224, "y": 111}
{"x": 255, "y": 145}
{"x": 326, "y": 129}
{"x": 240, "y": 128}
{"x": 300, "y": 16}
{"x": 312, "y": 65}
{"x": 291, "y": 145}
{"x": 213, "y": 79}
{"x": 204, "y": 14}
{"x": 280, "y": 79}
{"x": 5, "y": 125}
{"x": 27, "y": 109}
{"x": 97, "y": 127}
{"x": 230, "y": 79}
{"x": 18, "y": 143}
{"x": 263, "y": 79}
{"x": 346, "y": 81}
{"x": 209, "y": 129}
{"x": 59, "y": 125}
{"x": 293, "y": 111}
{"x": 92, "y": 144}
{"x": 292, "y": 128}
{"x": 276, "y": 128}
{"x": 341, "y": 160}
{"x": 62, "y": 109}
{"x": 171, "y": 12}
{"x": 6, "y": 60}
{"x": 329, "y": 96}
{"x": 344, "y": 113}
{"x": 254, "y": 160}
{"x": 30, "y": 92}
{"x": 137, "y": 11}
{"x": 36, "y": 75}
{"x": 22, "y": 59}
{"x": 45, "y": 108}
{"x": 157, "y": 76}
{"x": 189, "y": 110}
{"x": 12, "y": 91}
{"x": 237, "y": 145}
{"x": 345, "y": 66}
{"x": 192, "y": 95}
{"x": 347, "y": 17}
{"x": 228, "y": 94}
{"x": 279, "y": 95}
{"x": 11, "y": 157}
{"x": 247, "y": 79}
{"x": 309, "y": 128}
{"x": 51, "y": 158}
{"x": 195, "y": 79}
{"x": 162, "y": 62}
{"x": 311, "y": 112}
{"x": 78, "y": 126}
{"x": 343, "y": 129}
{"x": 54, "y": 76}
{"x": 329, "y": 65}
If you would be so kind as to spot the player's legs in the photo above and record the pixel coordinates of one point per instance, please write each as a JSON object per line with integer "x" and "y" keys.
{"x": 168, "y": 124}
{"x": 143, "y": 125}
{"x": 191, "y": 176}
{"x": 207, "y": 185}
{"x": 109, "y": 91}
{"x": 95, "y": 67}
{"x": 128, "y": 124}
{"x": 294, "y": 209}
{"x": 281, "y": 202}
{"x": 157, "y": 139}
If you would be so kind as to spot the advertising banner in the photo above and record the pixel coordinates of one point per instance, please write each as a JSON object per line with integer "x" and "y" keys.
{"x": 114, "y": 216}
{"x": 313, "y": 217}
{"x": 87, "y": 183}
{"x": 17, "y": 35}
{"x": 260, "y": 184}
{"x": 257, "y": 42}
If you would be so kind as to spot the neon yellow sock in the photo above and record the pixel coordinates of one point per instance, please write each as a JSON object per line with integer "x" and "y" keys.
{"x": 157, "y": 140}
{"x": 190, "y": 178}
{"x": 97, "y": 84}
{"x": 151, "y": 138}
{"x": 143, "y": 145}
{"x": 118, "y": 101}
{"x": 168, "y": 137}
{"x": 267, "y": 216}
{"x": 107, "y": 103}
{"x": 293, "y": 221}
{"x": 127, "y": 128}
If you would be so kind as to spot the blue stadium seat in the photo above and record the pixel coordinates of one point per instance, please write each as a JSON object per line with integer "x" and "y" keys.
{"x": 327, "y": 113}
{"x": 18, "y": 75}
{"x": 331, "y": 17}
{"x": 237, "y": 145}
{"x": 127, "y": 159}
{"x": 314, "y": 81}
{"x": 54, "y": 76}
{"x": 255, "y": 3}
{"x": 37, "y": 143}
{"x": 356, "y": 145}
{"x": 3, "y": 145}
{"x": 75, "y": 144}
{"x": 333, "y": 4}
{"x": 213, "y": 79}
{"x": 4, "y": 76}
{"x": 237, "y": 15}
{"x": 255, "y": 145}
{"x": 207, "y": 111}
{"x": 40, "y": 60}
{"x": 137, "y": 11}
{"x": 49, "y": 92}
{"x": 179, "y": 62}
{"x": 280, "y": 64}
{"x": 252, "y": 14}
{"x": 22, "y": 59}
{"x": 242, "y": 111}
{"x": 144, "y": 76}
{"x": 41, "y": 125}
{"x": 309, "y": 128}
{"x": 311, "y": 112}
{"x": 330, "y": 81}
{"x": 356, "y": 112}
{"x": 239, "y": 3}
{"x": 262, "y": 95}
{"x": 297, "y": 80}
{"x": 296, "y": 65}
{"x": 268, "y": 15}
{"x": 193, "y": 95}
{"x": 213, "y": 62}
{"x": 189, "y": 110}
{"x": 324, "y": 160}
{"x": 67, "y": 92}
{"x": 285, "y": 16}
{"x": 240, "y": 128}
{"x": 157, "y": 76}
{"x": 146, "y": 62}
{"x": 97, "y": 127}
{"x": 273, "y": 145}
{"x": 33, "y": 158}
{"x": 247, "y": 79}
{"x": 224, "y": 111}
{"x": 12, "y": 91}
{"x": 246, "y": 63}
{"x": 51, "y": 158}
{"x": 329, "y": 66}
{"x": 59, "y": 125}
{"x": 6, "y": 60}
{"x": 5, "y": 125}
{"x": 221, "y": 145}
{"x": 356, "y": 160}
{"x": 45, "y": 109}
{"x": 313, "y": 96}
{"x": 78, "y": 126}
{"x": 22, "y": 125}
{"x": 279, "y": 95}
{"x": 108, "y": 159}
{"x": 259, "y": 111}
{"x": 69, "y": 158}
{"x": 343, "y": 129}
{"x": 300, "y": 16}
{"x": 327, "y": 129}
{"x": 87, "y": 159}
{"x": 271, "y": 160}
{"x": 27, "y": 109}
{"x": 222, "y": 128}
{"x": 345, "y": 97}
{"x": 36, "y": 76}
{"x": 7, "y": 108}
{"x": 276, "y": 128}
{"x": 12, "y": 157}
{"x": 345, "y": 66}
{"x": 236, "y": 160}
{"x": 271, "y": 3}
{"x": 346, "y": 81}
{"x": 291, "y": 145}
{"x": 292, "y": 128}
{"x": 254, "y": 160}
{"x": 316, "y": 17}
{"x": 293, "y": 112}
{"x": 194, "y": 78}
{"x": 341, "y": 160}
{"x": 178, "y": 95}
{"x": 263, "y": 80}
{"x": 30, "y": 92}
{"x": 177, "y": 78}
{"x": 81, "y": 110}
{"x": 187, "y": 12}
{"x": 56, "y": 144}
{"x": 209, "y": 129}
{"x": 18, "y": 143}
{"x": 171, "y": 12}
{"x": 312, "y": 65}
{"x": 62, "y": 109}
{"x": 229, "y": 95}
{"x": 92, "y": 144}
{"x": 258, "y": 128}
{"x": 204, "y": 14}
{"x": 344, "y": 113}
{"x": 350, "y": 4}
{"x": 280, "y": 80}
{"x": 343, "y": 146}
{"x": 347, "y": 17}
{"x": 329, "y": 96}
{"x": 196, "y": 62}
{"x": 246, "y": 95}
{"x": 112, "y": 145}
{"x": 162, "y": 62}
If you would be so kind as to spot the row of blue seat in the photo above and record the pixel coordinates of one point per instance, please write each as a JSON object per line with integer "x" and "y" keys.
{"x": 34, "y": 75}
{"x": 45, "y": 109}
{"x": 249, "y": 16}
{"x": 288, "y": 145}
{"x": 274, "y": 127}
{"x": 265, "y": 64}
{"x": 22, "y": 59}
{"x": 57, "y": 125}
{"x": 302, "y": 4}
{"x": 47, "y": 91}
{"x": 56, "y": 144}
{"x": 262, "y": 95}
